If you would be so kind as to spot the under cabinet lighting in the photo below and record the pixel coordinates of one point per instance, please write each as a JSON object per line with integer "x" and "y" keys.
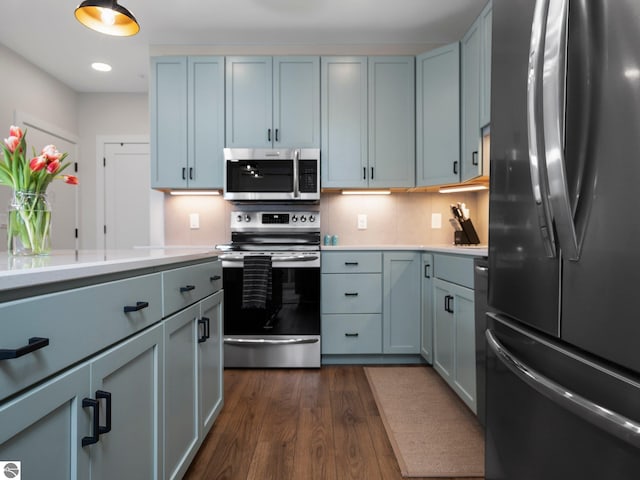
{"x": 195, "y": 193}
{"x": 366, "y": 192}
{"x": 462, "y": 188}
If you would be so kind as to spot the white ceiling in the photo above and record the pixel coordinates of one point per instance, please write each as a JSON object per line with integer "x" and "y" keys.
{"x": 46, "y": 33}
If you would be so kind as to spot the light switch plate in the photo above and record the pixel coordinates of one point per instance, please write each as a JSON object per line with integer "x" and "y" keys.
{"x": 436, "y": 220}
{"x": 362, "y": 221}
{"x": 194, "y": 221}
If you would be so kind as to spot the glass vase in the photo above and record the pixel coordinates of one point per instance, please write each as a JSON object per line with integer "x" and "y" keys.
{"x": 29, "y": 224}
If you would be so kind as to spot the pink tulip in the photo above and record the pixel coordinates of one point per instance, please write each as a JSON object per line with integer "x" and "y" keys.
{"x": 12, "y": 143}
{"x": 70, "y": 179}
{"x": 37, "y": 163}
{"x": 15, "y": 132}
{"x": 51, "y": 152}
{"x": 52, "y": 167}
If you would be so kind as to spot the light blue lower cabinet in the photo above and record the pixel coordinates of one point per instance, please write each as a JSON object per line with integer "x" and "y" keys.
{"x": 210, "y": 361}
{"x": 426, "y": 329}
{"x": 352, "y": 334}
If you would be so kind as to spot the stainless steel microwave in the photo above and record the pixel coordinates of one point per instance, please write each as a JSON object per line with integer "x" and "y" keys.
{"x": 272, "y": 174}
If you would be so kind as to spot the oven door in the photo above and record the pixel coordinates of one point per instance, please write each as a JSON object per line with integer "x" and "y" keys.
{"x": 286, "y": 333}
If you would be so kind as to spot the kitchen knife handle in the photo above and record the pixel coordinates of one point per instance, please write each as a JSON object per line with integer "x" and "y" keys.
{"x": 35, "y": 343}
{"x": 134, "y": 308}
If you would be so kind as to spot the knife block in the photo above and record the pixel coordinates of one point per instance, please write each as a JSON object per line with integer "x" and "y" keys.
{"x": 466, "y": 236}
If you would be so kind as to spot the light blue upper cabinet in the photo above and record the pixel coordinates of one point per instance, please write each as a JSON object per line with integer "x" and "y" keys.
{"x": 344, "y": 122}
{"x": 273, "y": 102}
{"x": 485, "y": 66}
{"x": 437, "y": 116}
{"x": 392, "y": 122}
{"x": 368, "y": 122}
{"x": 471, "y": 46}
{"x": 186, "y": 99}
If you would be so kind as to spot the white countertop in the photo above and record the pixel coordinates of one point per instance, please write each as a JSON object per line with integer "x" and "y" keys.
{"x": 63, "y": 265}
{"x": 472, "y": 250}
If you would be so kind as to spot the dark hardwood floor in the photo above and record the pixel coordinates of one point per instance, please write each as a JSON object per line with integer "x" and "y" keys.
{"x": 297, "y": 424}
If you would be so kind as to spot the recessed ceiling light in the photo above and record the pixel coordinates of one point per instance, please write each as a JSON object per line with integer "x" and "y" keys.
{"x": 101, "y": 67}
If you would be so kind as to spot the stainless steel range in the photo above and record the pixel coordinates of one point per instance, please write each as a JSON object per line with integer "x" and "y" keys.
{"x": 272, "y": 289}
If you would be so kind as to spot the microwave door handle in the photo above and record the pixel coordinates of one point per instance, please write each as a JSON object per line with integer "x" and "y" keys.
{"x": 553, "y": 104}
{"x": 536, "y": 165}
{"x": 296, "y": 165}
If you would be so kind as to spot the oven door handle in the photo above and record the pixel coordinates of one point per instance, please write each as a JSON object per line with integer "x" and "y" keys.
{"x": 268, "y": 341}
{"x": 290, "y": 258}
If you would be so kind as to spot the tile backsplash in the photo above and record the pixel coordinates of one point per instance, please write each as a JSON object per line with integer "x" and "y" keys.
{"x": 396, "y": 219}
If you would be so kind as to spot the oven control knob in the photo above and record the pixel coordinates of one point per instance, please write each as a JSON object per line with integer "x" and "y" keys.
{"x": 247, "y": 218}
{"x": 239, "y": 218}
{"x": 312, "y": 218}
{"x": 294, "y": 218}
{"x": 303, "y": 218}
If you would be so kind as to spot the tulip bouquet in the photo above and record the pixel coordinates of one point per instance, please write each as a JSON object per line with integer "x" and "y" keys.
{"x": 29, "y": 226}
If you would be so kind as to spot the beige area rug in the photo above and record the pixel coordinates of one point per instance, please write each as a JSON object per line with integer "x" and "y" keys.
{"x": 433, "y": 434}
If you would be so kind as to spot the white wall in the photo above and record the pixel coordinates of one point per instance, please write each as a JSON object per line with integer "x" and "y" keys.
{"x": 27, "y": 89}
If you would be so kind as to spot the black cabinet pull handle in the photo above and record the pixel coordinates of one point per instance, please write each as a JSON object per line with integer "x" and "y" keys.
{"x": 447, "y": 303}
{"x": 269, "y": 134}
{"x": 138, "y": 306}
{"x": 190, "y": 173}
{"x": 35, "y": 343}
{"x": 364, "y": 173}
{"x": 277, "y": 136}
{"x": 214, "y": 278}
{"x": 184, "y": 173}
{"x": 474, "y": 158}
{"x": 91, "y": 403}
{"x": 351, "y": 264}
{"x": 107, "y": 397}
{"x": 351, "y": 334}
{"x": 455, "y": 167}
{"x": 97, "y": 428}
{"x": 426, "y": 270}
{"x": 371, "y": 173}
{"x": 187, "y": 288}
{"x": 205, "y": 322}
{"x": 350, "y": 294}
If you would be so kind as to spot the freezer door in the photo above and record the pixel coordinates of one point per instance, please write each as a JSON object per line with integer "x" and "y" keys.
{"x": 524, "y": 265}
{"x": 554, "y": 415}
{"x": 600, "y": 289}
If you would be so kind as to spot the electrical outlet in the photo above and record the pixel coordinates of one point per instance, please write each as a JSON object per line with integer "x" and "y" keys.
{"x": 436, "y": 220}
{"x": 362, "y": 221}
{"x": 194, "y": 221}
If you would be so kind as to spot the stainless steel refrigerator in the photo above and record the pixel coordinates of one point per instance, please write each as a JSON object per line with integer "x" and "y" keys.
{"x": 563, "y": 365}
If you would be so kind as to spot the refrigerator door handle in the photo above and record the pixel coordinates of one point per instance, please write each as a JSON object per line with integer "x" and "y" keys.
{"x": 536, "y": 164}
{"x": 613, "y": 423}
{"x": 554, "y": 80}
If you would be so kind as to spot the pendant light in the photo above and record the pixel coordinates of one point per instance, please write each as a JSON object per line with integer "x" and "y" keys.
{"x": 106, "y": 16}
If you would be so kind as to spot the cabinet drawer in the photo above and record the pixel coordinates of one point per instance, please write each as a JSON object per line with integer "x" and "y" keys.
{"x": 186, "y": 285}
{"x": 77, "y": 323}
{"x": 351, "y": 293}
{"x": 454, "y": 269}
{"x": 344, "y": 334}
{"x": 351, "y": 262}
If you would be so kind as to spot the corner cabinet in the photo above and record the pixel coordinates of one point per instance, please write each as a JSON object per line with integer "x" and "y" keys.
{"x": 368, "y": 122}
{"x": 454, "y": 350}
{"x": 186, "y": 101}
{"x": 438, "y": 116}
{"x": 476, "y": 91}
{"x": 273, "y": 102}
{"x": 426, "y": 330}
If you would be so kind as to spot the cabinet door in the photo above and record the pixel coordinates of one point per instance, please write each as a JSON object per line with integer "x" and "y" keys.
{"x": 426, "y": 339}
{"x": 465, "y": 345}
{"x": 132, "y": 374}
{"x": 470, "y": 159}
{"x": 443, "y": 330}
{"x": 401, "y": 302}
{"x": 210, "y": 357}
{"x": 391, "y": 131}
{"x": 485, "y": 66}
{"x": 43, "y": 429}
{"x": 438, "y": 116}
{"x": 249, "y": 102}
{"x": 206, "y": 117}
{"x": 296, "y": 102}
{"x": 168, "y": 111}
{"x": 344, "y": 121}
{"x": 180, "y": 385}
